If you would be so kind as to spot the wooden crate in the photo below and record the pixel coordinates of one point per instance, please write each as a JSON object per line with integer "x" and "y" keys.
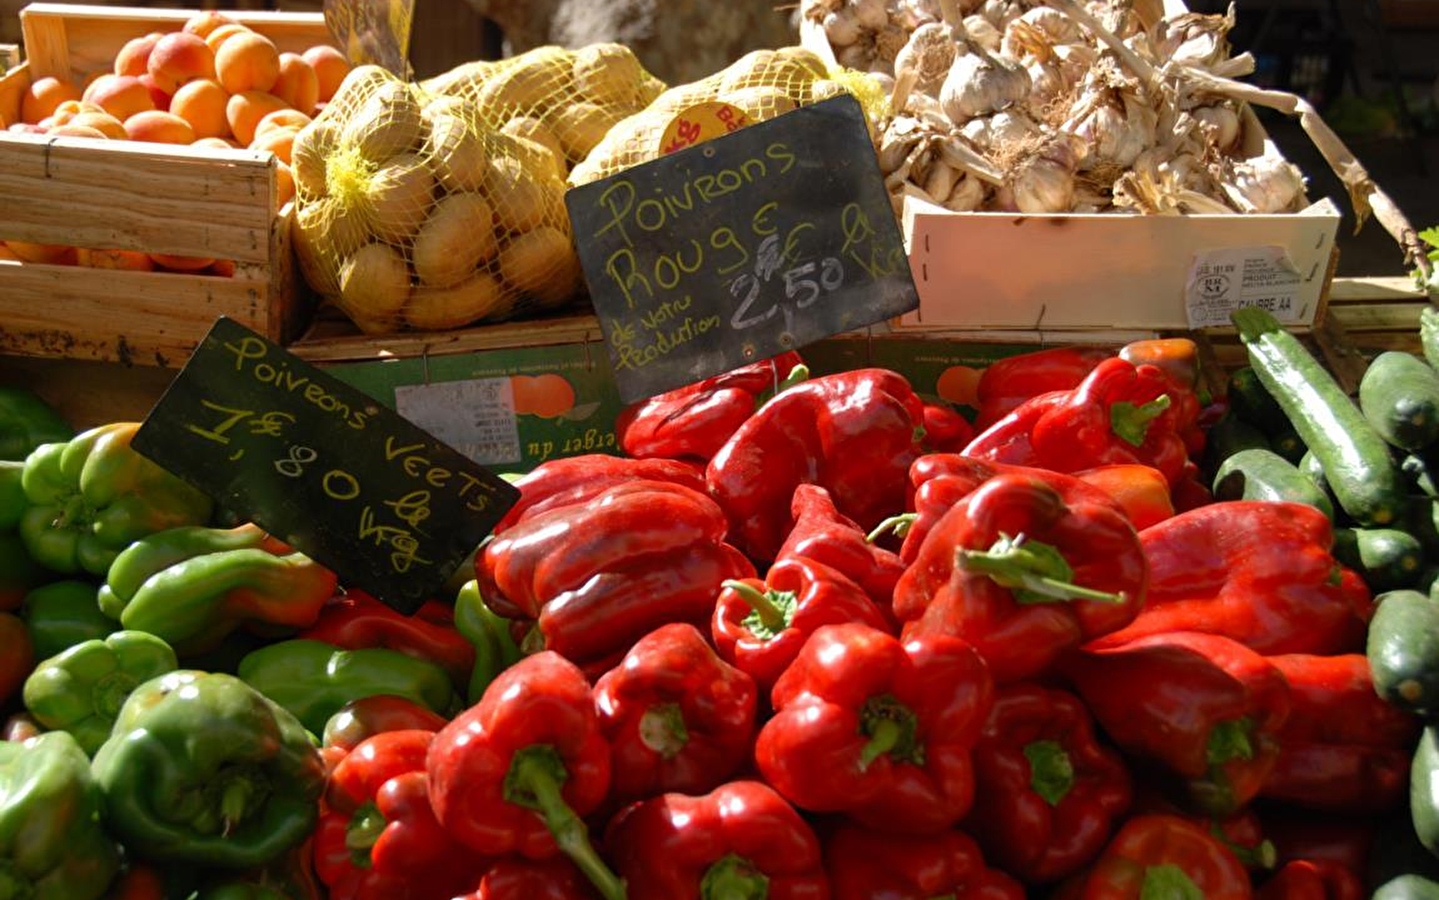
{"x": 153, "y": 198}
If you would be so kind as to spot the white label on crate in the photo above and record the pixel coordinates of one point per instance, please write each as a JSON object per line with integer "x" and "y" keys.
{"x": 476, "y": 417}
{"x": 1221, "y": 281}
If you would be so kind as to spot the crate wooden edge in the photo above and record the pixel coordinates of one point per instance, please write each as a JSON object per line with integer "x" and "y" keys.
{"x": 13, "y": 85}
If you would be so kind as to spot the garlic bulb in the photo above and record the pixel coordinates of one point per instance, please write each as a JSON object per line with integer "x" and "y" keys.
{"x": 1220, "y": 123}
{"x": 939, "y": 181}
{"x": 979, "y": 31}
{"x": 1007, "y": 128}
{"x": 1035, "y": 32}
{"x": 1044, "y": 182}
{"x": 870, "y": 13}
{"x": 1194, "y": 39}
{"x": 1000, "y": 12}
{"x": 910, "y": 14}
{"x": 841, "y": 27}
{"x": 923, "y": 62}
{"x": 1117, "y": 131}
{"x": 1264, "y": 184}
{"x": 967, "y": 195}
{"x": 978, "y": 84}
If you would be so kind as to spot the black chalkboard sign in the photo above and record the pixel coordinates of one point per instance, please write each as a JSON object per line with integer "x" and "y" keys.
{"x": 323, "y": 466}
{"x": 738, "y": 249}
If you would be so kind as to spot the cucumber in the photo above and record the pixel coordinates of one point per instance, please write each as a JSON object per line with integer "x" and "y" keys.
{"x": 1399, "y": 395}
{"x": 1423, "y": 782}
{"x": 1356, "y": 459}
{"x": 1403, "y": 649}
{"x": 1252, "y": 402}
{"x": 1258, "y": 474}
{"x": 1386, "y": 558}
{"x": 1429, "y": 335}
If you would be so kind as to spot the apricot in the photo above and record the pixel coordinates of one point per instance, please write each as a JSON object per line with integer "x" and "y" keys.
{"x": 284, "y": 186}
{"x": 202, "y": 103}
{"x": 217, "y": 143}
{"x": 247, "y": 62}
{"x": 129, "y": 260}
{"x": 45, "y": 96}
{"x": 160, "y": 94}
{"x": 203, "y": 24}
{"x": 297, "y": 85}
{"x": 6, "y": 254}
{"x": 276, "y": 140}
{"x": 133, "y": 57}
{"x": 182, "y": 263}
{"x": 120, "y": 95}
{"x": 43, "y": 254}
{"x": 221, "y": 268}
{"x": 281, "y": 118}
{"x": 220, "y": 35}
{"x": 330, "y": 67}
{"x": 159, "y": 127}
{"x": 24, "y": 128}
{"x": 71, "y": 129}
{"x": 179, "y": 57}
{"x": 245, "y": 110}
{"x": 102, "y": 122}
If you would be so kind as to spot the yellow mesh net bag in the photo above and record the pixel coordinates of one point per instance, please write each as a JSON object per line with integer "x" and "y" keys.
{"x": 760, "y": 85}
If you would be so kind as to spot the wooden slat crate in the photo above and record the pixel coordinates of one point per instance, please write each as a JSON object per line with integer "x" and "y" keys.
{"x": 153, "y": 198}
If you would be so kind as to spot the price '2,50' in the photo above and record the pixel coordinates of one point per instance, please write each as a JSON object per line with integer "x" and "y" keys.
{"x": 803, "y": 285}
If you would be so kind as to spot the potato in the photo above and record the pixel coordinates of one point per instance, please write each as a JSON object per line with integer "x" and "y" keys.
{"x": 522, "y": 198}
{"x": 432, "y": 308}
{"x": 323, "y": 233}
{"x": 531, "y": 129}
{"x": 790, "y": 69}
{"x": 457, "y": 152}
{"x": 359, "y": 83}
{"x": 386, "y": 124}
{"x": 374, "y": 287}
{"x": 580, "y": 126}
{"x": 760, "y": 103}
{"x": 308, "y": 154}
{"x": 542, "y": 263}
{"x": 608, "y": 74}
{"x": 398, "y": 197}
{"x": 530, "y": 84}
{"x": 457, "y": 237}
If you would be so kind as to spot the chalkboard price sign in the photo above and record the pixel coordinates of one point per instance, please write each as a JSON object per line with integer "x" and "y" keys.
{"x": 323, "y": 466}
{"x": 740, "y": 248}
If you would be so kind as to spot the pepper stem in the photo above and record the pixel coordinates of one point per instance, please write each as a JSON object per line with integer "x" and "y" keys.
{"x": 1229, "y": 740}
{"x": 798, "y": 375}
{"x": 768, "y": 606}
{"x": 364, "y": 830}
{"x": 899, "y": 524}
{"x": 1131, "y": 422}
{"x": 882, "y": 739}
{"x": 1051, "y": 773}
{"x": 662, "y": 729}
{"x": 734, "y": 878}
{"x": 534, "y": 780}
{"x": 1168, "y": 882}
{"x": 1035, "y": 572}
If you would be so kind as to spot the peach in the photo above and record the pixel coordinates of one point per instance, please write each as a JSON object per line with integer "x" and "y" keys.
{"x": 133, "y": 57}
{"x": 222, "y": 34}
{"x": 298, "y": 85}
{"x": 330, "y": 67}
{"x": 247, "y": 62}
{"x": 179, "y": 57}
{"x": 120, "y": 95}
{"x": 44, "y": 96}
{"x": 102, "y": 122}
{"x": 202, "y": 103}
{"x": 245, "y": 110}
{"x": 281, "y": 118}
{"x": 160, "y": 94}
{"x": 202, "y": 24}
{"x": 131, "y": 260}
{"x": 159, "y": 127}
{"x": 277, "y": 141}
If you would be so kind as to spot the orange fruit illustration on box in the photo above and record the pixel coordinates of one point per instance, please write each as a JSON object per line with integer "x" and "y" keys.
{"x": 959, "y": 385}
{"x": 546, "y": 396}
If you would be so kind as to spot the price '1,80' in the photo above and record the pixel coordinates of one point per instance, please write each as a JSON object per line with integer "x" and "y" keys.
{"x": 803, "y": 285}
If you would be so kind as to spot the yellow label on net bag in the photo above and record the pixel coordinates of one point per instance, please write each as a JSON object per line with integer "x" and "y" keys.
{"x": 697, "y": 124}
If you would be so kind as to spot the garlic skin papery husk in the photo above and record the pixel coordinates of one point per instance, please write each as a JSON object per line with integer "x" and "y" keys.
{"x": 1117, "y": 130}
{"x": 1263, "y": 184}
{"x": 910, "y": 14}
{"x": 1220, "y": 125}
{"x": 979, "y": 31}
{"x": 1164, "y": 183}
{"x": 968, "y": 195}
{"x": 1008, "y": 128}
{"x": 1034, "y": 34}
{"x": 979, "y": 84}
{"x": 1043, "y": 182}
{"x": 841, "y": 27}
{"x": 923, "y": 62}
{"x": 1194, "y": 39}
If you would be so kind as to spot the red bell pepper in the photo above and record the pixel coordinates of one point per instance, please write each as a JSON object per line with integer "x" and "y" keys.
{"x": 1140, "y": 491}
{"x": 18, "y": 660}
{"x": 1179, "y": 359}
{"x": 1024, "y": 569}
{"x": 1120, "y": 413}
{"x": 1241, "y": 831}
{"x": 740, "y": 840}
{"x": 1316, "y": 879}
{"x": 677, "y": 717}
{"x": 378, "y": 838}
{"x": 1006, "y": 383}
{"x": 355, "y": 620}
{"x": 1258, "y": 571}
{"x": 516, "y": 772}
{"x": 1343, "y": 748}
{"x": 853, "y": 433}
{"x": 825, "y": 535}
{"x": 877, "y": 729}
{"x": 759, "y": 626}
{"x": 368, "y": 716}
{"x": 598, "y": 575}
{"x": 945, "y": 430}
{"x": 1047, "y": 794}
{"x": 1154, "y": 856}
{"x": 1299, "y": 834}
{"x": 1206, "y": 708}
{"x": 575, "y": 479}
{"x": 524, "y": 879}
{"x": 694, "y": 421}
{"x": 864, "y": 864}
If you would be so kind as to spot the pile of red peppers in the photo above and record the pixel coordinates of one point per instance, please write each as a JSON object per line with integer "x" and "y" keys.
{"x": 809, "y": 638}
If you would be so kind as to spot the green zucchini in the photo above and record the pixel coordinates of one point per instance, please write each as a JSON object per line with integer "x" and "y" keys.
{"x": 1259, "y": 474}
{"x": 1429, "y": 335}
{"x": 1386, "y": 558}
{"x": 1403, "y": 649}
{"x": 1421, "y": 519}
{"x": 1288, "y": 444}
{"x": 1407, "y": 887}
{"x": 1423, "y": 782}
{"x": 1421, "y": 473}
{"x": 1227, "y": 437}
{"x": 1309, "y": 465}
{"x": 1399, "y": 395}
{"x": 1399, "y": 867}
{"x": 1356, "y": 459}
{"x": 1251, "y": 401}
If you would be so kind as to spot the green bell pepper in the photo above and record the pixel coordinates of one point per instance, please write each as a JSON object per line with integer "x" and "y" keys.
{"x": 81, "y": 690}
{"x": 239, "y": 890}
{"x": 12, "y": 494}
{"x": 201, "y": 767}
{"x": 26, "y": 422}
{"x": 313, "y": 679}
{"x": 19, "y": 574}
{"x": 52, "y": 845}
{"x": 62, "y": 614}
{"x": 93, "y": 496}
{"x": 193, "y": 586}
{"x": 495, "y": 647}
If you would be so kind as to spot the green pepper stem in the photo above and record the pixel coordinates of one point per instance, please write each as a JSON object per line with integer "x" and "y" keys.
{"x": 1131, "y": 422}
{"x": 899, "y": 524}
{"x": 662, "y": 729}
{"x": 883, "y": 739}
{"x": 1229, "y": 740}
{"x": 733, "y": 878}
{"x": 1168, "y": 882}
{"x": 364, "y": 830}
{"x": 1035, "y": 572}
{"x": 798, "y": 375}
{"x": 532, "y": 776}
{"x": 770, "y": 614}
{"x": 1051, "y": 773}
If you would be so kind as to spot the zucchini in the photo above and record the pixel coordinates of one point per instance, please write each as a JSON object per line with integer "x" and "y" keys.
{"x": 1258, "y": 474}
{"x": 1420, "y": 521}
{"x": 1420, "y": 473}
{"x": 1252, "y": 402}
{"x": 1407, "y": 887}
{"x": 1309, "y": 465}
{"x": 1399, "y": 395}
{"x": 1386, "y": 558}
{"x": 1288, "y": 444}
{"x": 1423, "y": 781}
{"x": 1403, "y": 649}
{"x": 1356, "y": 460}
{"x": 1429, "y": 335}
{"x": 1227, "y": 437}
